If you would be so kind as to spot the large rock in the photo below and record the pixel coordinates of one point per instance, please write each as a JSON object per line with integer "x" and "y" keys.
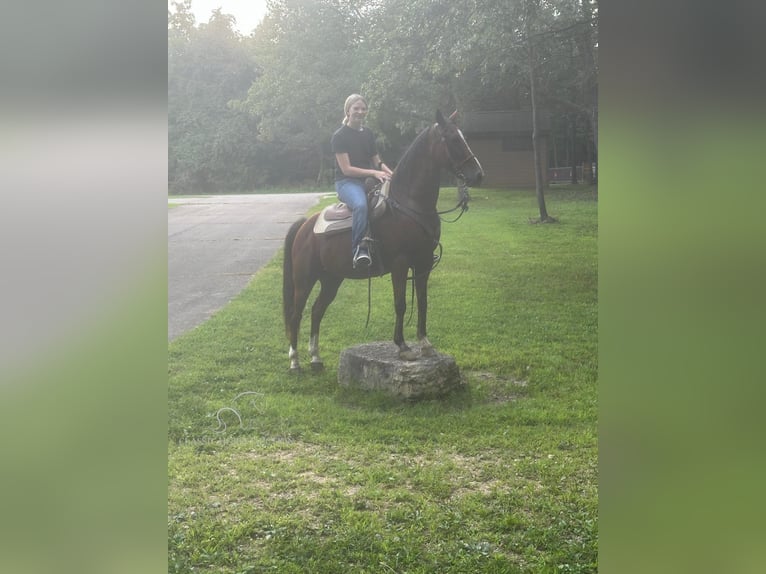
{"x": 377, "y": 366}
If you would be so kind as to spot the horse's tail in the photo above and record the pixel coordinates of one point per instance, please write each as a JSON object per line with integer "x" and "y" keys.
{"x": 288, "y": 286}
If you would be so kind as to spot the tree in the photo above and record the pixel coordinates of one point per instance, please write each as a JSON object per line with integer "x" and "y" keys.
{"x": 310, "y": 55}
{"x": 530, "y": 21}
{"x": 211, "y": 144}
{"x": 570, "y": 85}
{"x": 245, "y": 112}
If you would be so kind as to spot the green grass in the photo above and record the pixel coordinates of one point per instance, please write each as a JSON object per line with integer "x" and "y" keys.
{"x": 499, "y": 477}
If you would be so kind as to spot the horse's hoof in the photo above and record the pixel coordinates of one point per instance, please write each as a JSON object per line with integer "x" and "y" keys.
{"x": 317, "y": 367}
{"x": 428, "y": 351}
{"x": 408, "y": 355}
{"x": 295, "y": 370}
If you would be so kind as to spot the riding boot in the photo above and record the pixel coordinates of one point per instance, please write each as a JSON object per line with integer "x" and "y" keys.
{"x": 362, "y": 255}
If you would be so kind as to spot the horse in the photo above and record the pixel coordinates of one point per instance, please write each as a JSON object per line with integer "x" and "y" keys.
{"x": 405, "y": 237}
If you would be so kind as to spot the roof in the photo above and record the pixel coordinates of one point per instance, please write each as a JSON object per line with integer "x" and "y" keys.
{"x": 503, "y": 121}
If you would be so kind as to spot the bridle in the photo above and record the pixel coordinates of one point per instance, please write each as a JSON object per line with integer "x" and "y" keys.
{"x": 457, "y": 167}
{"x": 457, "y": 170}
{"x": 463, "y": 197}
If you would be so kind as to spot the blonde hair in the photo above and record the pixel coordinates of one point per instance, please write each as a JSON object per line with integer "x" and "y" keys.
{"x": 350, "y": 101}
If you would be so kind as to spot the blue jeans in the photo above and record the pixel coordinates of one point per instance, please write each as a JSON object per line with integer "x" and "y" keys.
{"x": 351, "y": 192}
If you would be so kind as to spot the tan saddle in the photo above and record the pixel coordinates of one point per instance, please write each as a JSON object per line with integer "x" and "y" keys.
{"x": 337, "y": 217}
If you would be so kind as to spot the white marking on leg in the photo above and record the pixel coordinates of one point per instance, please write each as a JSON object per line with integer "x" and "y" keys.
{"x": 314, "y": 349}
{"x": 293, "y": 355}
{"x": 407, "y": 354}
{"x": 426, "y": 348}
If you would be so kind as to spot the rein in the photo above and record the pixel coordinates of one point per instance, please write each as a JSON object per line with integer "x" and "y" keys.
{"x": 463, "y": 196}
{"x": 462, "y": 203}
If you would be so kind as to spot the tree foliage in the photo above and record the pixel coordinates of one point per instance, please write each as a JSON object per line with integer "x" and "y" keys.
{"x": 211, "y": 144}
{"x": 310, "y": 56}
{"x": 245, "y": 112}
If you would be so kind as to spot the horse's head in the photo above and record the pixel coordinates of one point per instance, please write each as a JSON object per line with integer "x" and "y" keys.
{"x": 459, "y": 158}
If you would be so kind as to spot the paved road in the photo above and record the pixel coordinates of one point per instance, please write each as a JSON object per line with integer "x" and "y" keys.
{"x": 215, "y": 246}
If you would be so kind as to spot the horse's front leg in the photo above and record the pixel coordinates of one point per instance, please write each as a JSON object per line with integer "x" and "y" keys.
{"x": 316, "y": 361}
{"x": 399, "y": 283}
{"x": 421, "y": 290}
{"x": 292, "y": 354}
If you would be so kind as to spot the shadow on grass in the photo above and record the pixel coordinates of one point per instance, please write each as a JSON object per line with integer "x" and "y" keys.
{"x": 459, "y": 399}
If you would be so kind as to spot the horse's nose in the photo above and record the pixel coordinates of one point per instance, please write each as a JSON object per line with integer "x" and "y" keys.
{"x": 476, "y": 177}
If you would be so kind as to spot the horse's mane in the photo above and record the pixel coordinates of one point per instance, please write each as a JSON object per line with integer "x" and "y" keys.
{"x": 409, "y": 159}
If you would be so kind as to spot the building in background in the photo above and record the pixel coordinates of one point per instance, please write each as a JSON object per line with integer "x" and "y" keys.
{"x": 503, "y": 143}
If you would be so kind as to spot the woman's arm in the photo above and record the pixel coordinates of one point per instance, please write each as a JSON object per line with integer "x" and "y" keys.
{"x": 351, "y": 171}
{"x": 376, "y": 161}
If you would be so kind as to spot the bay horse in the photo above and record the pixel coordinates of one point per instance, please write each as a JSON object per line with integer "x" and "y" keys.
{"x": 406, "y": 236}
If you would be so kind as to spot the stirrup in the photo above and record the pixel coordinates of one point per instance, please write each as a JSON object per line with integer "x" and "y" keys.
{"x": 362, "y": 257}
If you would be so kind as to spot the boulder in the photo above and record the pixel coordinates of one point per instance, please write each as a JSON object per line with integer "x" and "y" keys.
{"x": 377, "y": 366}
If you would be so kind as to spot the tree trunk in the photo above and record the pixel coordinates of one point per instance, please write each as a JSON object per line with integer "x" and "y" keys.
{"x": 536, "y": 144}
{"x": 587, "y": 168}
{"x": 594, "y": 122}
{"x": 573, "y": 148}
{"x": 544, "y": 217}
{"x": 590, "y": 89}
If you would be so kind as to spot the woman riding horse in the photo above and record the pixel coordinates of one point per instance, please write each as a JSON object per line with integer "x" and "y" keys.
{"x": 355, "y": 160}
{"x": 406, "y": 237}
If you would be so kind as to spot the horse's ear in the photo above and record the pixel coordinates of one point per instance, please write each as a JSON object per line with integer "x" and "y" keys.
{"x": 440, "y": 118}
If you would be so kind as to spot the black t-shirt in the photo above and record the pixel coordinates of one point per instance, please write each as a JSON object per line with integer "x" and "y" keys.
{"x": 359, "y": 145}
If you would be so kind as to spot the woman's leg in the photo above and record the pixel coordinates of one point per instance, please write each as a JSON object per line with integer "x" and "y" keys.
{"x": 351, "y": 192}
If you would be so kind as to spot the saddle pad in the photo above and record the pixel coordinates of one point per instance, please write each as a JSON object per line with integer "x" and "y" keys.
{"x": 337, "y": 217}
{"x": 337, "y": 212}
{"x": 323, "y": 225}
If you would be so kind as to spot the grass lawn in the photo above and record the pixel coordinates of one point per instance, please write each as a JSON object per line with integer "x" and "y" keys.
{"x": 275, "y": 472}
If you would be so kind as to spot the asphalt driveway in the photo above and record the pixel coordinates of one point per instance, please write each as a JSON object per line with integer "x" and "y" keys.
{"x": 215, "y": 246}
